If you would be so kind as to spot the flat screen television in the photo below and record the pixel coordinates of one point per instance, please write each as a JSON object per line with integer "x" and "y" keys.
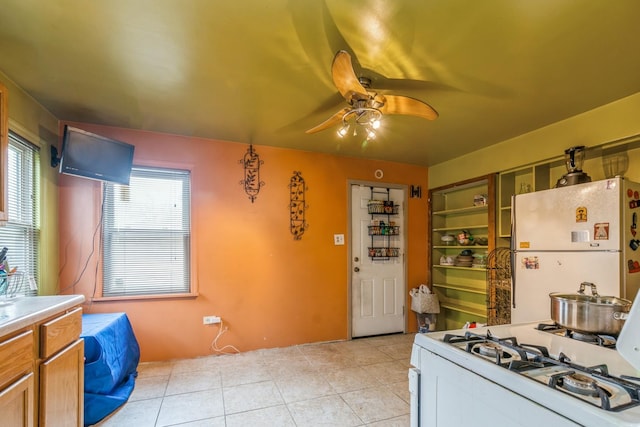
{"x": 88, "y": 155}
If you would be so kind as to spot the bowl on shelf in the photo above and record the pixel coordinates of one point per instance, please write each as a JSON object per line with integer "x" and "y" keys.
{"x": 447, "y": 240}
{"x": 447, "y": 260}
{"x": 463, "y": 261}
{"x": 482, "y": 241}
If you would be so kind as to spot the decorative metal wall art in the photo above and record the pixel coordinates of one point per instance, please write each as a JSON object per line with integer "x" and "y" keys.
{"x": 297, "y": 206}
{"x": 251, "y": 182}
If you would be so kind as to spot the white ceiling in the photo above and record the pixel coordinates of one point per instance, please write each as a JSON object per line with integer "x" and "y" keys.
{"x": 258, "y": 71}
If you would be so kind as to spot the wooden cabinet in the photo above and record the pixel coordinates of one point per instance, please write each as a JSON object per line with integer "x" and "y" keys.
{"x": 16, "y": 402}
{"x": 62, "y": 387}
{"x": 61, "y": 369}
{"x": 4, "y": 152}
{"x": 469, "y": 207}
{"x": 16, "y": 379}
{"x": 43, "y": 363}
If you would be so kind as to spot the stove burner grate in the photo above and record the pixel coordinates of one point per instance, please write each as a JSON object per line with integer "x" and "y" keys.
{"x": 593, "y": 385}
{"x": 489, "y": 349}
{"x": 594, "y": 382}
{"x": 582, "y": 384}
{"x": 502, "y": 351}
{"x": 597, "y": 339}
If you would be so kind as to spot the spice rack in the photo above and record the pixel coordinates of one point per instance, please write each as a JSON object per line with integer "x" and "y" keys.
{"x": 382, "y": 229}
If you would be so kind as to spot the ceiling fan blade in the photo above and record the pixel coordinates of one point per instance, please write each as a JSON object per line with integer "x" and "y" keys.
{"x": 336, "y": 118}
{"x": 395, "y": 104}
{"x": 345, "y": 79}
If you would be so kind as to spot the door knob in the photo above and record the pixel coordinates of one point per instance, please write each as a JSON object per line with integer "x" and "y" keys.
{"x": 356, "y": 269}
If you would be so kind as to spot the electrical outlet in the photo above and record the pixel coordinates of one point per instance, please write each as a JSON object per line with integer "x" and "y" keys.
{"x": 210, "y": 320}
{"x": 338, "y": 239}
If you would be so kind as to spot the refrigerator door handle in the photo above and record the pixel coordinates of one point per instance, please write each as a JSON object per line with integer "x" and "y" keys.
{"x": 513, "y": 251}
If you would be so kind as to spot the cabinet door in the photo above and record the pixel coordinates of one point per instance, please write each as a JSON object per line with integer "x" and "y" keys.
{"x": 62, "y": 388}
{"x": 16, "y": 403}
{"x": 59, "y": 332}
{"x": 4, "y": 152}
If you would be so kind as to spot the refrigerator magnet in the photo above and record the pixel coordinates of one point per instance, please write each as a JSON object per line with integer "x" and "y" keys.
{"x": 531, "y": 263}
{"x": 601, "y": 231}
{"x": 633, "y": 266}
{"x": 581, "y": 214}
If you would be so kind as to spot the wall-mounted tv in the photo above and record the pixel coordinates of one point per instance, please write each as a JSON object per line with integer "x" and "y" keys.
{"x": 93, "y": 156}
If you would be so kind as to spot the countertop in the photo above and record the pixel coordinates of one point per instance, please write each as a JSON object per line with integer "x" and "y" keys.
{"x": 25, "y": 311}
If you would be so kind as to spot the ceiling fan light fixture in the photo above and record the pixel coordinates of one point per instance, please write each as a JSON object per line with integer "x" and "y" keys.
{"x": 366, "y": 106}
{"x": 360, "y": 116}
{"x": 371, "y": 134}
{"x": 343, "y": 130}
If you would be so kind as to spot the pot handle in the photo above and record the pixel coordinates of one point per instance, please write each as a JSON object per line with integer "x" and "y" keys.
{"x": 583, "y": 285}
{"x": 620, "y": 315}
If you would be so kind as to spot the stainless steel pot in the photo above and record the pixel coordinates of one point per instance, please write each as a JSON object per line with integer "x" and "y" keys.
{"x": 589, "y": 313}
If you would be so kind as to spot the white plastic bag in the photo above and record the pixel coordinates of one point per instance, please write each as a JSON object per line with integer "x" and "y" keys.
{"x": 423, "y": 301}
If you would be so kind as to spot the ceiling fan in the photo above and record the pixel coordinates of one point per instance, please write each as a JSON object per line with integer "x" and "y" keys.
{"x": 366, "y": 106}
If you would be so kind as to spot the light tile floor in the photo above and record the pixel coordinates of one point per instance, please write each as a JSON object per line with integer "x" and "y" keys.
{"x": 362, "y": 382}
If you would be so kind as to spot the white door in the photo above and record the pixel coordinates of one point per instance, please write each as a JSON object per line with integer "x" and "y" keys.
{"x": 377, "y": 283}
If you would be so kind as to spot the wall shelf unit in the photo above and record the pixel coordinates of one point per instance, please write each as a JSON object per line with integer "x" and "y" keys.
{"x": 475, "y": 311}
{"x": 382, "y": 230}
{"x": 462, "y": 288}
{"x": 523, "y": 180}
{"x": 453, "y": 210}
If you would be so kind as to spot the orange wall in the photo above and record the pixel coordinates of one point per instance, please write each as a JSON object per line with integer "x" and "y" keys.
{"x": 269, "y": 289}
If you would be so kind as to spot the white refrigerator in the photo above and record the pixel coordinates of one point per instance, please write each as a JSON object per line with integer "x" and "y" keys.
{"x": 565, "y": 236}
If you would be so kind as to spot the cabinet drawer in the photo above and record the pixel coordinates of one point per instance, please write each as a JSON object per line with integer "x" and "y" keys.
{"x": 60, "y": 332}
{"x": 16, "y": 357}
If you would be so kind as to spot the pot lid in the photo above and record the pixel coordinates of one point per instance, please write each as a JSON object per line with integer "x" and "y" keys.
{"x": 628, "y": 344}
{"x": 591, "y": 299}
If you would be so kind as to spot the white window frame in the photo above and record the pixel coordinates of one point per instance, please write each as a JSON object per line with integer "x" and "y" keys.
{"x": 146, "y": 234}
{"x": 21, "y": 233}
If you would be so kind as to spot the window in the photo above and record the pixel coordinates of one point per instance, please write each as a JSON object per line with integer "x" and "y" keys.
{"x": 21, "y": 234}
{"x": 146, "y": 234}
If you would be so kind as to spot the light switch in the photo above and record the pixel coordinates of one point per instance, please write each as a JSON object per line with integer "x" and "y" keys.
{"x": 338, "y": 239}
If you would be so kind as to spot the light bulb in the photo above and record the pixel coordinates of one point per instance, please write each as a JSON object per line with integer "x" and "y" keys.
{"x": 343, "y": 131}
{"x": 371, "y": 134}
{"x": 375, "y": 124}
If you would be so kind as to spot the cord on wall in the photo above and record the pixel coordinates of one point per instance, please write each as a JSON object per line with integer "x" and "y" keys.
{"x": 214, "y": 345}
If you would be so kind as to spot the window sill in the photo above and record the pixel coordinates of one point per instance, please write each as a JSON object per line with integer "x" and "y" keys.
{"x": 145, "y": 297}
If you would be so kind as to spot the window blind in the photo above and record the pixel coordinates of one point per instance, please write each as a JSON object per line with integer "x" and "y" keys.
{"x": 146, "y": 234}
{"x": 21, "y": 233}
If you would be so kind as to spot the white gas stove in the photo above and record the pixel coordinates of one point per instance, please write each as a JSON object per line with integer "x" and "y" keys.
{"x": 519, "y": 375}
